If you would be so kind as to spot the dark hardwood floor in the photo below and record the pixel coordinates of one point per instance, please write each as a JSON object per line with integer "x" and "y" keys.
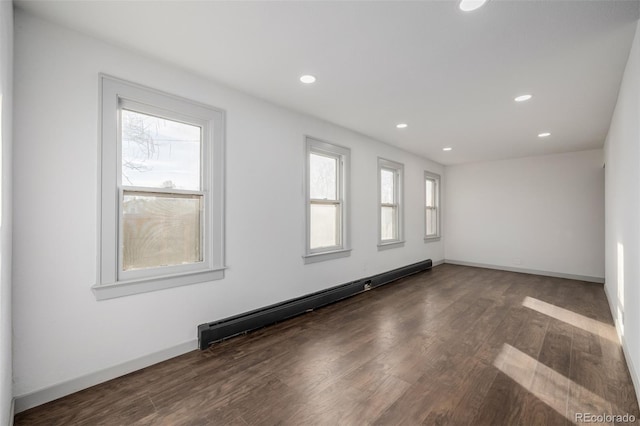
{"x": 455, "y": 345}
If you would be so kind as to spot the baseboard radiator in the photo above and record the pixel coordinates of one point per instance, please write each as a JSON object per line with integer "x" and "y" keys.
{"x": 239, "y": 324}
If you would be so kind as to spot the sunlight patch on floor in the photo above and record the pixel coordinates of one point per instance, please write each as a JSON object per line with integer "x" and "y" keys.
{"x": 588, "y": 324}
{"x": 548, "y": 385}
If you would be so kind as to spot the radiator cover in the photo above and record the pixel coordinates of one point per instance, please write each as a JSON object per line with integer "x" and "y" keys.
{"x": 219, "y": 330}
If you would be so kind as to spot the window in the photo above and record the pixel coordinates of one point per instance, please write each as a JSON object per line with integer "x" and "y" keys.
{"x": 161, "y": 191}
{"x": 431, "y": 206}
{"x": 390, "y": 214}
{"x": 327, "y": 174}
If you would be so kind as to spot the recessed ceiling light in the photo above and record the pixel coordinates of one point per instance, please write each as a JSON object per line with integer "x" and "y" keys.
{"x": 522, "y": 98}
{"x": 308, "y": 79}
{"x": 447, "y": 148}
{"x": 469, "y": 5}
{"x": 401, "y": 126}
{"x": 544, "y": 135}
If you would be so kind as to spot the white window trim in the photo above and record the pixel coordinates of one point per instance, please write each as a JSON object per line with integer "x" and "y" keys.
{"x": 112, "y": 281}
{"x": 398, "y": 169}
{"x": 344, "y": 156}
{"x": 435, "y": 177}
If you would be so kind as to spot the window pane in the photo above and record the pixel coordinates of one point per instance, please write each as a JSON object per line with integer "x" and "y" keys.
{"x": 387, "y": 186}
{"x": 323, "y": 178}
{"x": 159, "y": 153}
{"x": 324, "y": 226}
{"x": 160, "y": 230}
{"x": 431, "y": 199}
{"x": 432, "y": 222}
{"x": 388, "y": 222}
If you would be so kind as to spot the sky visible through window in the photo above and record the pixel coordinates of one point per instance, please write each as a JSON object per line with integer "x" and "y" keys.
{"x": 430, "y": 195}
{"x": 323, "y": 177}
{"x": 159, "y": 153}
{"x": 387, "y": 186}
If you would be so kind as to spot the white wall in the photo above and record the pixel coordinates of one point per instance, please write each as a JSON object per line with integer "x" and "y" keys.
{"x": 543, "y": 214}
{"x": 622, "y": 180}
{"x": 61, "y": 331}
{"x": 6, "y": 88}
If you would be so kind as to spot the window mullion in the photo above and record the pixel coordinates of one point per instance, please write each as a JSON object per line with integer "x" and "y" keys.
{"x": 169, "y": 191}
{"x": 318, "y": 201}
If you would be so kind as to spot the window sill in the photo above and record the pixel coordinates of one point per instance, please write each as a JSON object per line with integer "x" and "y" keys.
{"x": 431, "y": 239}
{"x": 390, "y": 245}
{"x": 128, "y": 288}
{"x": 327, "y": 255}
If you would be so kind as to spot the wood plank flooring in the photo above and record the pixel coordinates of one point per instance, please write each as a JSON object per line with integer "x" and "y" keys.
{"x": 452, "y": 346}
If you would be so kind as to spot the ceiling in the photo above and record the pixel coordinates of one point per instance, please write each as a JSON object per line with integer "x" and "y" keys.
{"x": 450, "y": 75}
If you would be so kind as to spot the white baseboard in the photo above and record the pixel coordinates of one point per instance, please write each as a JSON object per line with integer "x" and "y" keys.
{"x": 632, "y": 370}
{"x": 627, "y": 355}
{"x": 12, "y": 412}
{"x": 611, "y": 308}
{"x": 438, "y": 262}
{"x": 42, "y": 396}
{"x": 599, "y": 280}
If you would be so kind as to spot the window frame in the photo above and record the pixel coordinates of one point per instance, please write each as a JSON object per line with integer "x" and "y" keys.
{"x": 343, "y": 157}
{"x": 398, "y": 185}
{"x": 438, "y": 211}
{"x": 112, "y": 280}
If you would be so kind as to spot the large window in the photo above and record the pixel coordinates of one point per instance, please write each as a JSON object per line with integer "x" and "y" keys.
{"x": 390, "y": 214}
{"x": 161, "y": 191}
{"x": 327, "y": 173}
{"x": 431, "y": 206}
